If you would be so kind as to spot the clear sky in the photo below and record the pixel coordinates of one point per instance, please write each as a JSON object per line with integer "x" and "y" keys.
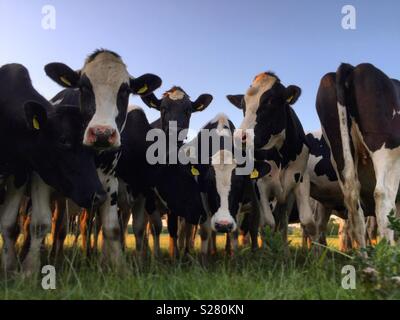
{"x": 206, "y": 46}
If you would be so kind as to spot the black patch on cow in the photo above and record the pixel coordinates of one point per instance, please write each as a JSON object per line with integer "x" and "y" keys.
{"x": 114, "y": 198}
{"x": 318, "y": 148}
{"x": 297, "y": 177}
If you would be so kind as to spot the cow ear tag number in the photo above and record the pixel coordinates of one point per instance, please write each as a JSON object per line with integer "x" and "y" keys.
{"x": 35, "y": 123}
{"x": 254, "y": 174}
{"x": 143, "y": 89}
{"x": 195, "y": 172}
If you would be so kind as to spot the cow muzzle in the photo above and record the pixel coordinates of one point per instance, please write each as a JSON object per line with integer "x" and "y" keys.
{"x": 223, "y": 224}
{"x": 102, "y": 137}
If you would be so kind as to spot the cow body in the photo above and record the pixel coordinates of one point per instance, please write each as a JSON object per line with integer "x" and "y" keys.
{"x": 41, "y": 147}
{"x": 173, "y": 184}
{"x": 359, "y": 112}
{"x": 224, "y": 189}
{"x": 101, "y": 89}
{"x": 271, "y": 125}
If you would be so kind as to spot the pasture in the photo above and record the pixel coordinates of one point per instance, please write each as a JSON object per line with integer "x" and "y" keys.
{"x": 265, "y": 274}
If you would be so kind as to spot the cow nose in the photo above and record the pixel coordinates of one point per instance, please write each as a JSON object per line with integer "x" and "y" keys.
{"x": 102, "y": 136}
{"x": 224, "y": 226}
{"x": 99, "y": 199}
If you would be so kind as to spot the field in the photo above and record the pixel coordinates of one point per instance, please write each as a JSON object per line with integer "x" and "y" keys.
{"x": 266, "y": 274}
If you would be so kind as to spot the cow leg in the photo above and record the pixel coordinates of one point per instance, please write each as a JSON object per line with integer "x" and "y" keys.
{"x": 181, "y": 233}
{"x": 124, "y": 215}
{"x": 282, "y": 212}
{"x": 9, "y": 224}
{"x": 371, "y": 230}
{"x": 344, "y": 236}
{"x": 302, "y": 195}
{"x": 266, "y": 216}
{"x": 232, "y": 239}
{"x": 205, "y": 236}
{"x": 322, "y": 216}
{"x": 387, "y": 173}
{"x": 188, "y": 236}
{"x": 173, "y": 235}
{"x": 97, "y": 228}
{"x": 83, "y": 227}
{"x": 156, "y": 229}
{"x": 40, "y": 223}
{"x": 139, "y": 223}
{"x": 26, "y": 224}
{"x": 112, "y": 251}
{"x": 59, "y": 228}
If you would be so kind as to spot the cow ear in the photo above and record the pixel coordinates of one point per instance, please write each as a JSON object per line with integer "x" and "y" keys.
{"x": 236, "y": 100}
{"x": 152, "y": 101}
{"x": 292, "y": 94}
{"x": 62, "y": 74}
{"x": 36, "y": 115}
{"x": 202, "y": 102}
{"x": 145, "y": 84}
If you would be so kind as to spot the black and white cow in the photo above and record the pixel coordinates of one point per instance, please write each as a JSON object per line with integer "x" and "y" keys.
{"x": 324, "y": 185}
{"x": 224, "y": 189}
{"x": 176, "y": 110}
{"x": 359, "y": 109}
{"x": 41, "y": 146}
{"x": 271, "y": 125}
{"x": 101, "y": 89}
{"x": 172, "y": 183}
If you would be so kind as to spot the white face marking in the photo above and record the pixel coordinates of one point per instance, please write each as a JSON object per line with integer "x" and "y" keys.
{"x": 106, "y": 74}
{"x": 261, "y": 84}
{"x": 223, "y": 125}
{"x": 223, "y": 164}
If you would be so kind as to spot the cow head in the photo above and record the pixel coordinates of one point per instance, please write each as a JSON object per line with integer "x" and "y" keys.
{"x": 105, "y": 85}
{"x": 265, "y": 106}
{"x": 176, "y": 105}
{"x": 58, "y": 156}
{"x": 219, "y": 178}
{"x": 224, "y": 191}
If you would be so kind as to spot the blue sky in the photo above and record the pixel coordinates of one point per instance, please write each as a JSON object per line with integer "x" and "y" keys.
{"x": 206, "y": 46}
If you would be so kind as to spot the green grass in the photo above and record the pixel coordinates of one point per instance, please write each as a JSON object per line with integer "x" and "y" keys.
{"x": 265, "y": 274}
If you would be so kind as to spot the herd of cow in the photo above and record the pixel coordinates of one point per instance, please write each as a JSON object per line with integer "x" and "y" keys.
{"x": 87, "y": 147}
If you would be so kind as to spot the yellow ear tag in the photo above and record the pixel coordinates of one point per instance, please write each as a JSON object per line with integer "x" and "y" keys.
{"x": 153, "y": 104}
{"x": 143, "y": 89}
{"x": 63, "y": 79}
{"x": 200, "y": 107}
{"x": 195, "y": 172}
{"x": 35, "y": 123}
{"x": 254, "y": 174}
{"x": 289, "y": 99}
